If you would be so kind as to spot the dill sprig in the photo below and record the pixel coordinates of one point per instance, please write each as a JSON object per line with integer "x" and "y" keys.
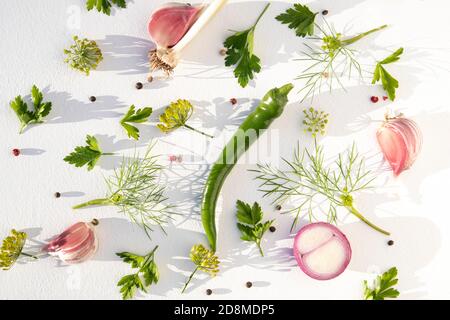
{"x": 134, "y": 188}
{"x": 176, "y": 115}
{"x": 12, "y": 249}
{"x": 309, "y": 177}
{"x": 205, "y": 260}
{"x": 83, "y": 55}
{"x": 315, "y": 121}
{"x": 330, "y": 59}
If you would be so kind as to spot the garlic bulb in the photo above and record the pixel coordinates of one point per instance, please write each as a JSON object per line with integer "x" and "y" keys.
{"x": 172, "y": 27}
{"x": 76, "y": 244}
{"x": 400, "y": 140}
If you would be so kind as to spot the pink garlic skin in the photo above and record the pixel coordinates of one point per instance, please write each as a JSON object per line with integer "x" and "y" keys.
{"x": 76, "y": 244}
{"x": 336, "y": 235}
{"x": 169, "y": 24}
{"x": 400, "y": 140}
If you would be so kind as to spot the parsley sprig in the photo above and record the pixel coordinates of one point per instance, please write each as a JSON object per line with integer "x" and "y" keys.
{"x": 86, "y": 155}
{"x": 388, "y": 82}
{"x": 146, "y": 275}
{"x": 176, "y": 115}
{"x": 41, "y": 109}
{"x": 135, "y": 116}
{"x": 205, "y": 260}
{"x": 382, "y": 287}
{"x": 300, "y": 18}
{"x": 105, "y": 5}
{"x": 250, "y": 223}
{"x": 240, "y": 53}
{"x": 12, "y": 249}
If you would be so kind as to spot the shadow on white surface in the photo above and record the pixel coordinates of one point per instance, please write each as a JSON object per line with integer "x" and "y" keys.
{"x": 125, "y": 55}
{"x": 410, "y": 252}
{"x": 66, "y": 109}
{"x": 434, "y": 156}
{"x": 72, "y": 194}
{"x": 31, "y": 151}
{"x": 219, "y": 113}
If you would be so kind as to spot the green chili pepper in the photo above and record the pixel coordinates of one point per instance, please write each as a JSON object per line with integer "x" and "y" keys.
{"x": 270, "y": 108}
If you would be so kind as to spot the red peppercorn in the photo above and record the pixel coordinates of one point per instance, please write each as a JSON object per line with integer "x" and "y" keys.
{"x": 16, "y": 152}
{"x": 385, "y": 98}
{"x": 374, "y": 99}
{"x": 233, "y": 101}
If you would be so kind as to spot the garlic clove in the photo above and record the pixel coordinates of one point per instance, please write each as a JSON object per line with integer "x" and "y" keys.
{"x": 169, "y": 46}
{"x": 171, "y": 22}
{"x": 85, "y": 251}
{"x": 69, "y": 237}
{"x": 393, "y": 147}
{"x": 76, "y": 244}
{"x": 400, "y": 141}
{"x": 412, "y": 137}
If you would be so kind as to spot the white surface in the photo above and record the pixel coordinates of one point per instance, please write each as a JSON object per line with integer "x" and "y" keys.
{"x": 414, "y": 207}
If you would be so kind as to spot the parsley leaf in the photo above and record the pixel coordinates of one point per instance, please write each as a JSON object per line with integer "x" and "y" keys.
{"x": 388, "y": 82}
{"x": 40, "y": 110}
{"x": 205, "y": 260}
{"x": 89, "y": 154}
{"x": 240, "y": 53}
{"x": 104, "y": 5}
{"x": 382, "y": 286}
{"x": 249, "y": 223}
{"x": 147, "y": 270}
{"x": 135, "y": 116}
{"x": 299, "y": 18}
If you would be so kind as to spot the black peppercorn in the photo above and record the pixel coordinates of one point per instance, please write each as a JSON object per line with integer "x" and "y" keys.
{"x": 92, "y": 98}
{"x": 390, "y": 242}
{"x": 278, "y": 207}
{"x": 272, "y": 229}
{"x": 139, "y": 85}
{"x": 208, "y": 292}
{"x": 95, "y": 222}
{"x": 249, "y": 284}
{"x": 57, "y": 195}
{"x": 324, "y": 12}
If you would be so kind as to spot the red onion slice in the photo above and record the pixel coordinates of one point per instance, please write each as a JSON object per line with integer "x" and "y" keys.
{"x": 322, "y": 251}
